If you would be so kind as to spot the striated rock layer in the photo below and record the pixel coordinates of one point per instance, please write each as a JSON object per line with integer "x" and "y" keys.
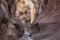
{"x": 11, "y": 28}
{"x": 47, "y": 24}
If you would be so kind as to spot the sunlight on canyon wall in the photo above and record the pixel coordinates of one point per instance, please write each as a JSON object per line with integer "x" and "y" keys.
{"x": 26, "y": 10}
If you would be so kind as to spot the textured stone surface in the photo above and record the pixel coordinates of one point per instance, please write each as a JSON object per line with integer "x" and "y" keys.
{"x": 9, "y": 30}
{"x": 48, "y": 22}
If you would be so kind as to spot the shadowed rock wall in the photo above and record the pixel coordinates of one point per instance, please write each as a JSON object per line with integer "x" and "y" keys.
{"x": 10, "y": 27}
{"x": 48, "y": 22}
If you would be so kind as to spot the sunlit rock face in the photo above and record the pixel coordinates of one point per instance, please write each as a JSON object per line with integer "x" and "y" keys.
{"x": 26, "y": 10}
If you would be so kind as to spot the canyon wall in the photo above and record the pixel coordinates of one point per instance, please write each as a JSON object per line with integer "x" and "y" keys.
{"x": 47, "y": 24}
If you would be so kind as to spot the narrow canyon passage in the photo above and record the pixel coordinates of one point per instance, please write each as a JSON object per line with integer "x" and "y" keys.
{"x": 29, "y": 19}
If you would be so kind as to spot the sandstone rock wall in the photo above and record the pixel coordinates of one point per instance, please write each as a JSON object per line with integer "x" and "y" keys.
{"x": 10, "y": 27}
{"x": 48, "y": 22}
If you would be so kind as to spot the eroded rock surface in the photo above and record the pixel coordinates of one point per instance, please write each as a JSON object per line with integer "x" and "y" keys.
{"x": 48, "y": 22}
{"x": 10, "y": 27}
